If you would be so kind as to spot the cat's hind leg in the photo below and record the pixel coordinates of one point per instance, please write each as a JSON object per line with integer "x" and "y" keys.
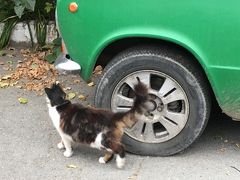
{"x": 118, "y": 149}
{"x": 107, "y": 157}
{"x": 120, "y": 159}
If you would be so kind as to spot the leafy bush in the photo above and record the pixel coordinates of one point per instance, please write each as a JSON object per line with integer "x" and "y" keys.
{"x": 14, "y": 11}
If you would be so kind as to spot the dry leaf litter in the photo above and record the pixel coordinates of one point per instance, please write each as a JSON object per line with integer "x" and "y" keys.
{"x": 33, "y": 74}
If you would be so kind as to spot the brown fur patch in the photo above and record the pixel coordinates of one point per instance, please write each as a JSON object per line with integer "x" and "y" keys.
{"x": 108, "y": 156}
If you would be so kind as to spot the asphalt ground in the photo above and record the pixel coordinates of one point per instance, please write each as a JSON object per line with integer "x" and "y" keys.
{"x": 28, "y": 146}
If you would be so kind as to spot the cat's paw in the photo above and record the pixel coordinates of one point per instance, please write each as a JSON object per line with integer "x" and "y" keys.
{"x": 120, "y": 162}
{"x": 101, "y": 160}
{"x": 68, "y": 153}
{"x": 60, "y": 145}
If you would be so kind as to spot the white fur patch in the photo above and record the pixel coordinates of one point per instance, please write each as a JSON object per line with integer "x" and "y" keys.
{"x": 101, "y": 160}
{"x": 55, "y": 117}
{"x": 60, "y": 145}
{"x": 97, "y": 143}
{"x": 120, "y": 161}
{"x": 48, "y": 102}
{"x": 68, "y": 153}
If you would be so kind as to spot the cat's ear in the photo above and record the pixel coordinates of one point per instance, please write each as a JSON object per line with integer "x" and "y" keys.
{"x": 59, "y": 90}
{"x": 47, "y": 90}
{"x": 54, "y": 86}
{"x": 59, "y": 87}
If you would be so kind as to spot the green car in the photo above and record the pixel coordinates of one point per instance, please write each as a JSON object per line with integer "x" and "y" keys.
{"x": 186, "y": 52}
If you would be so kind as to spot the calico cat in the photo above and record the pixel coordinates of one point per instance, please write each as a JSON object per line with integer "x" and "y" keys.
{"x": 99, "y": 128}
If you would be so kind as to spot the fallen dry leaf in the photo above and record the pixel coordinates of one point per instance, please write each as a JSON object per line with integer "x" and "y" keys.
{"x": 222, "y": 149}
{"x": 6, "y": 77}
{"x": 67, "y": 88}
{"x": 10, "y": 62}
{"x": 71, "y": 95}
{"x": 77, "y": 81}
{"x": 98, "y": 70}
{"x": 19, "y": 87}
{"x": 72, "y": 166}
{"x": 10, "y": 55}
{"x": 23, "y": 100}
{"x": 42, "y": 55}
{"x": 90, "y": 84}
{"x": 14, "y": 84}
{"x": 34, "y": 66}
{"x": 25, "y": 51}
{"x": 82, "y": 97}
{"x": 6, "y": 68}
{"x": 40, "y": 93}
{"x": 4, "y": 84}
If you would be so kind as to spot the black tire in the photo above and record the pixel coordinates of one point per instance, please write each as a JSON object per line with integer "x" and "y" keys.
{"x": 184, "y": 70}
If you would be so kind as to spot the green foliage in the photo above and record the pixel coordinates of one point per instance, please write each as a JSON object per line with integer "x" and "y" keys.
{"x": 55, "y": 47}
{"x": 14, "y": 11}
{"x": 7, "y": 29}
{"x": 48, "y": 7}
{"x": 41, "y": 29}
{"x": 21, "y": 5}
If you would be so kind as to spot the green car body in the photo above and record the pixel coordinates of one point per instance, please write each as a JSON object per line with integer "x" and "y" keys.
{"x": 208, "y": 30}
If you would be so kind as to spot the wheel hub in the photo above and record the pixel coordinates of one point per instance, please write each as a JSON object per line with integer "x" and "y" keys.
{"x": 155, "y": 106}
{"x": 151, "y": 105}
{"x": 168, "y": 106}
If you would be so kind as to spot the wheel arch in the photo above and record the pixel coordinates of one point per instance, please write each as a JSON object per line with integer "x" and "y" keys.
{"x": 117, "y": 46}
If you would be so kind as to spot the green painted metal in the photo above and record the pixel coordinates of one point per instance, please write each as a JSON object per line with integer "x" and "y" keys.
{"x": 210, "y": 30}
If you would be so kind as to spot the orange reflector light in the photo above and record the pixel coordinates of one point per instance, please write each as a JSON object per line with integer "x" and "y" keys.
{"x": 62, "y": 48}
{"x": 73, "y": 7}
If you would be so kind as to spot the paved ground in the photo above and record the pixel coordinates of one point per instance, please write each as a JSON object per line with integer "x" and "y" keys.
{"x": 28, "y": 148}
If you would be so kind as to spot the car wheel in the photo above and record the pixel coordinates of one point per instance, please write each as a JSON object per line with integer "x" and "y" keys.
{"x": 178, "y": 93}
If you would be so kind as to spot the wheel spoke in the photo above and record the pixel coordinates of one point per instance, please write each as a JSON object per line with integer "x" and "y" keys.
{"x": 137, "y": 129}
{"x": 131, "y": 81}
{"x": 167, "y": 86}
{"x": 144, "y": 78}
{"x": 171, "y": 128}
{"x": 148, "y": 133}
{"x": 178, "y": 118}
{"x": 173, "y": 96}
{"x": 121, "y": 109}
{"x": 123, "y": 101}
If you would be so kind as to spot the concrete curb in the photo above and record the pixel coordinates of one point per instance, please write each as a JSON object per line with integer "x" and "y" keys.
{"x": 21, "y": 37}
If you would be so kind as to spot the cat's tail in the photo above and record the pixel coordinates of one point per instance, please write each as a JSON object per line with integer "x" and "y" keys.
{"x": 141, "y": 97}
{"x": 139, "y": 107}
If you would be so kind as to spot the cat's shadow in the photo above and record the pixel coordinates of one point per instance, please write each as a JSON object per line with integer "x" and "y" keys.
{"x": 84, "y": 150}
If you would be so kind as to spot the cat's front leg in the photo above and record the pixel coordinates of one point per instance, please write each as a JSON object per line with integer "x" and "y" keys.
{"x": 60, "y": 145}
{"x": 67, "y": 144}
